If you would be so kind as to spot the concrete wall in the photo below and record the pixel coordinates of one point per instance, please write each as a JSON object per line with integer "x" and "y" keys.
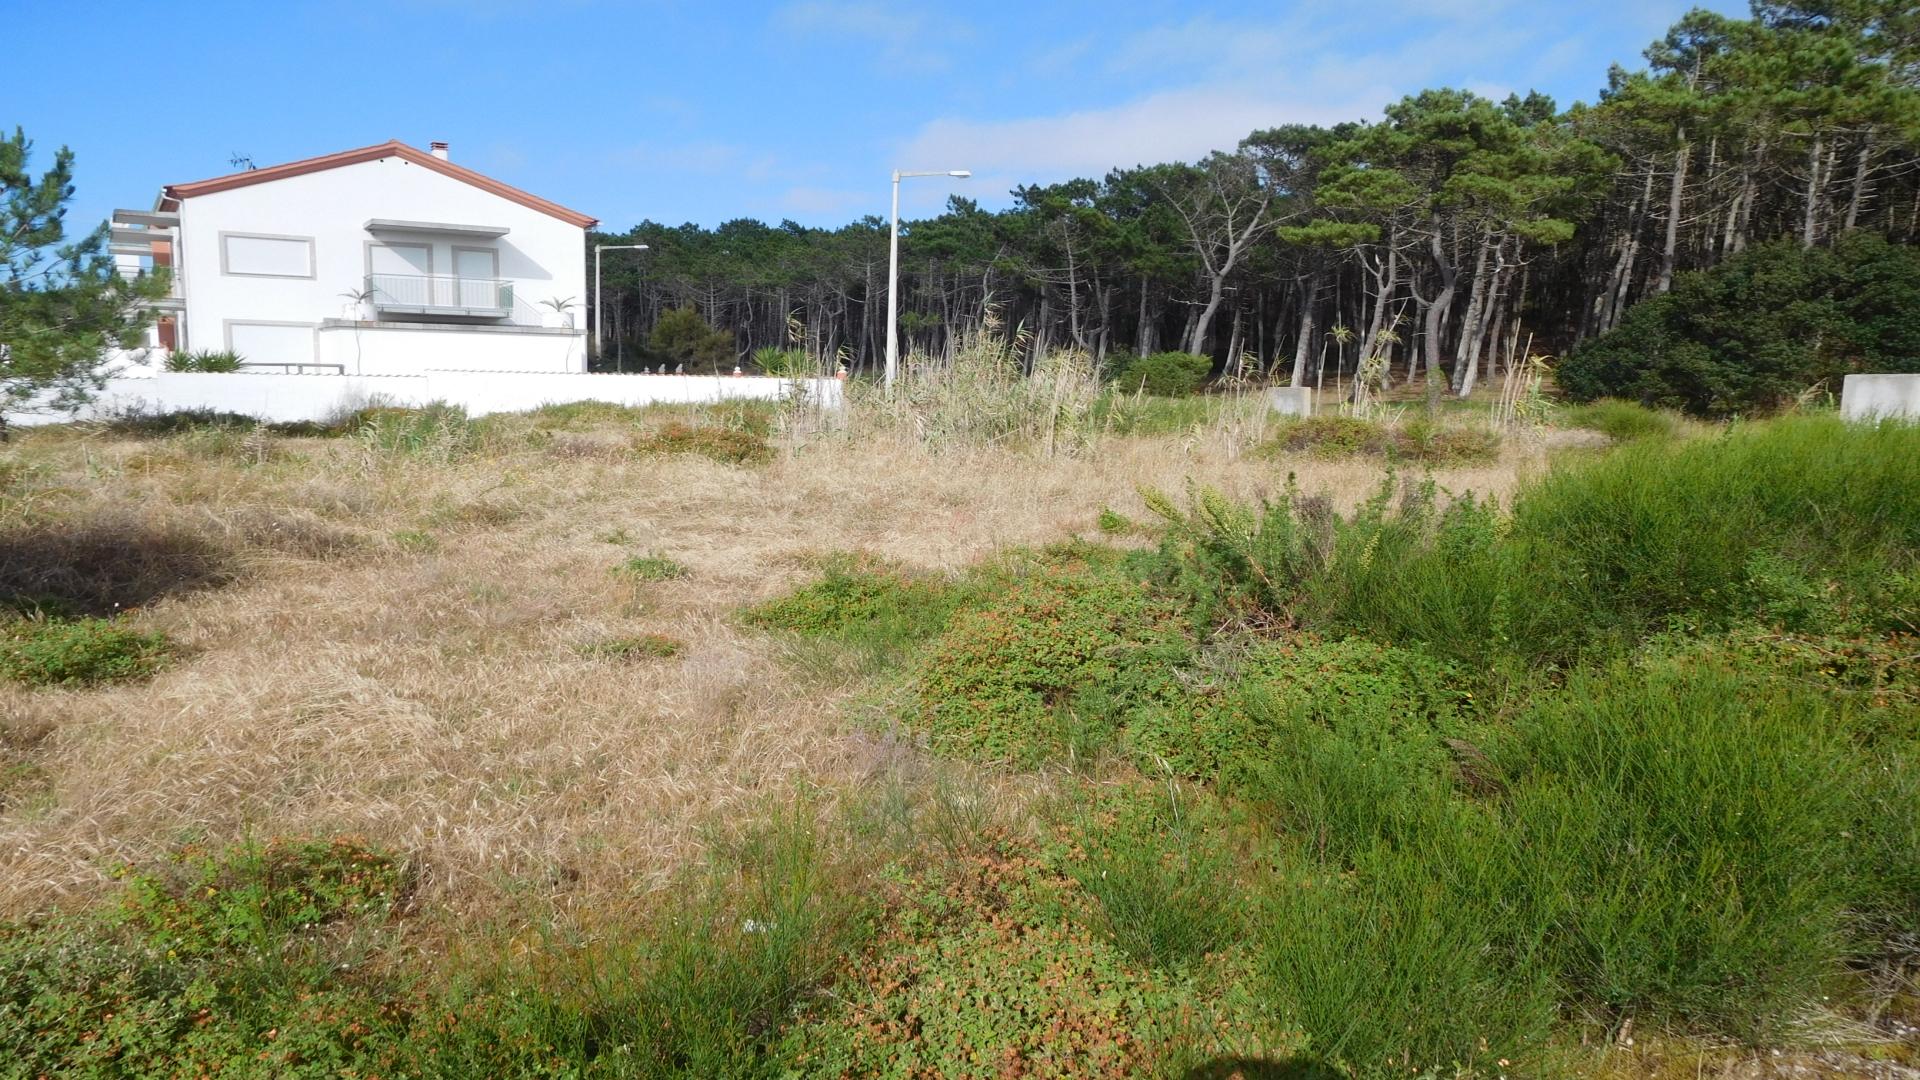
{"x": 278, "y": 397}
{"x": 542, "y": 255}
{"x": 1880, "y": 397}
{"x": 1291, "y": 400}
{"x": 383, "y": 349}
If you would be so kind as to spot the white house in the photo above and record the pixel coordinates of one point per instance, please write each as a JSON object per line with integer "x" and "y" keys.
{"x": 385, "y": 260}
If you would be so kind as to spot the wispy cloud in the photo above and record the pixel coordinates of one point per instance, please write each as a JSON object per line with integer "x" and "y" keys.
{"x": 905, "y": 38}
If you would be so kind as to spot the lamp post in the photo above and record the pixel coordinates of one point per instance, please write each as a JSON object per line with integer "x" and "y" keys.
{"x": 599, "y": 313}
{"x": 893, "y": 270}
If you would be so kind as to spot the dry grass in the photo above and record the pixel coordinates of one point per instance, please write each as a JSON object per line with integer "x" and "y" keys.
{"x": 398, "y": 652}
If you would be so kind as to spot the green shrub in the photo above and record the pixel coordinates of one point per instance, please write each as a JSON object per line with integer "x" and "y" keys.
{"x": 1112, "y": 522}
{"x": 1167, "y": 374}
{"x": 1596, "y": 557}
{"x": 1759, "y": 328}
{"x": 1680, "y": 878}
{"x": 1623, "y": 420}
{"x": 682, "y": 338}
{"x": 78, "y": 652}
{"x": 727, "y": 446}
{"x": 639, "y": 647}
{"x": 1051, "y": 667}
{"x": 654, "y": 567}
{"x": 205, "y": 360}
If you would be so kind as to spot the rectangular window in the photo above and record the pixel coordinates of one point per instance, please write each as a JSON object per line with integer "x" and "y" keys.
{"x": 271, "y": 343}
{"x": 256, "y": 255}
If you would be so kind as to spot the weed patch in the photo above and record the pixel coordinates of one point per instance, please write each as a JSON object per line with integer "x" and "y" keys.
{"x": 638, "y": 647}
{"x": 727, "y": 446}
{"x": 1622, "y": 420}
{"x": 78, "y": 652}
{"x": 652, "y": 568}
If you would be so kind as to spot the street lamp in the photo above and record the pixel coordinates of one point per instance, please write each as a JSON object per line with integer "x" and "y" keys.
{"x": 893, "y": 270}
{"x": 599, "y": 313}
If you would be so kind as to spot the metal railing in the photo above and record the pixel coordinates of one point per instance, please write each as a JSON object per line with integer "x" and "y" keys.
{"x": 441, "y": 294}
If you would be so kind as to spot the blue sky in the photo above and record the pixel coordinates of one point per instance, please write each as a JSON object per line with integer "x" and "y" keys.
{"x": 683, "y": 111}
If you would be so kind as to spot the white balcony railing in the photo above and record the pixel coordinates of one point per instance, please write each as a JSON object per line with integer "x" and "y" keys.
{"x": 441, "y": 294}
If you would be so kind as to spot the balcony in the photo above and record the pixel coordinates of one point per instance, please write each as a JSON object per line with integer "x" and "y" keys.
{"x": 440, "y": 296}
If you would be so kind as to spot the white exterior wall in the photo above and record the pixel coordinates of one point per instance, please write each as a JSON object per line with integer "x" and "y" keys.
{"x": 280, "y": 398}
{"x": 542, "y": 255}
{"x": 374, "y": 349}
{"x": 1880, "y": 397}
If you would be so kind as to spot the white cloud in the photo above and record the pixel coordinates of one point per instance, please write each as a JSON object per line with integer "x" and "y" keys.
{"x": 1175, "y": 125}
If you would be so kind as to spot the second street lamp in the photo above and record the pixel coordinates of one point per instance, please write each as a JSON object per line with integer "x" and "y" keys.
{"x": 893, "y": 270}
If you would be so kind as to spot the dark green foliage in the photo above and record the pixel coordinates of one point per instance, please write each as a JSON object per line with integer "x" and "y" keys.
{"x": 205, "y": 361}
{"x": 1623, "y": 420}
{"x": 62, "y": 303}
{"x": 78, "y": 652}
{"x": 1760, "y": 328}
{"x": 682, "y": 338}
{"x": 1167, "y": 374}
{"x": 177, "y": 422}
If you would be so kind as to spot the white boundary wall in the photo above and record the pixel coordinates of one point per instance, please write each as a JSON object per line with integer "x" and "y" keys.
{"x": 285, "y": 397}
{"x": 1880, "y": 397}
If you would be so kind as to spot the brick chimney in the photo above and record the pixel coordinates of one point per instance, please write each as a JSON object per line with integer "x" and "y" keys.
{"x": 439, "y": 150}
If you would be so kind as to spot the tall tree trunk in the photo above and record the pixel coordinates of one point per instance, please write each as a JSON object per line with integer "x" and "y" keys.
{"x": 1809, "y": 219}
{"x": 1437, "y": 315}
{"x": 1859, "y": 197}
{"x": 1675, "y": 197}
{"x": 1303, "y": 346}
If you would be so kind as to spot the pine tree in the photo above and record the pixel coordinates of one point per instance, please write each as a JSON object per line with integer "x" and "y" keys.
{"x": 61, "y": 304}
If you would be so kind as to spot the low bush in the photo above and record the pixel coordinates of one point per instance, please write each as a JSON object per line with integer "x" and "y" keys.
{"x": 1623, "y": 420}
{"x": 1050, "y": 668}
{"x": 78, "y": 652}
{"x": 1167, "y": 374}
{"x": 728, "y": 446}
{"x": 205, "y": 360}
{"x": 653, "y": 567}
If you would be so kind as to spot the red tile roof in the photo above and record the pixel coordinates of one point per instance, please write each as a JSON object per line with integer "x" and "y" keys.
{"x": 391, "y": 148}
